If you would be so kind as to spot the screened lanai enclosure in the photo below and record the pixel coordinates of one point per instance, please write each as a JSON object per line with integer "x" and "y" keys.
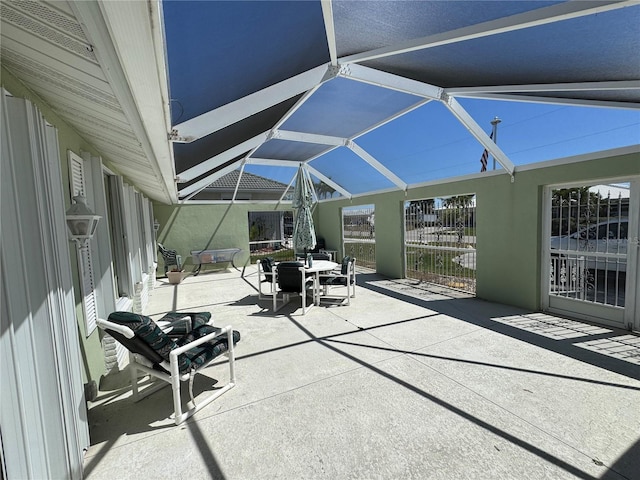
{"x": 385, "y": 95}
{"x": 453, "y": 143}
{"x": 378, "y": 97}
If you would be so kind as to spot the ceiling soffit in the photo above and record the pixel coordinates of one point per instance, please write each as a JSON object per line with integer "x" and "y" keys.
{"x": 46, "y": 46}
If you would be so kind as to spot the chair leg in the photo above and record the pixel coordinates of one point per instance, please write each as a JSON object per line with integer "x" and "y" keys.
{"x": 181, "y": 416}
{"x": 303, "y": 294}
{"x": 134, "y": 377}
{"x": 285, "y": 300}
{"x": 138, "y": 393}
{"x": 264, "y": 295}
{"x": 177, "y": 401}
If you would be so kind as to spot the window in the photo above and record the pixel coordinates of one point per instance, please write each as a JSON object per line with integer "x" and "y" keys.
{"x": 270, "y": 231}
{"x": 116, "y": 208}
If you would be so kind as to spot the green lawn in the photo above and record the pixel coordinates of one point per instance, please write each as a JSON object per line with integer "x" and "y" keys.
{"x": 437, "y": 266}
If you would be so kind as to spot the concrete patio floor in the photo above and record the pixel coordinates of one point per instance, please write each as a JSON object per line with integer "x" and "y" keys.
{"x": 409, "y": 381}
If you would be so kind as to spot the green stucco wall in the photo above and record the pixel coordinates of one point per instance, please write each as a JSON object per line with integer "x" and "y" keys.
{"x": 509, "y": 223}
{"x": 207, "y": 226}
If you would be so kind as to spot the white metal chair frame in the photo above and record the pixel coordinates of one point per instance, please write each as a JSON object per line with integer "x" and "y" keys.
{"x": 307, "y": 282}
{"x": 349, "y": 279}
{"x": 266, "y": 277}
{"x": 174, "y": 378}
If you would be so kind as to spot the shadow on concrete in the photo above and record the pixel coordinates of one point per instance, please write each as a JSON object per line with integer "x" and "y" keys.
{"x": 564, "y": 346}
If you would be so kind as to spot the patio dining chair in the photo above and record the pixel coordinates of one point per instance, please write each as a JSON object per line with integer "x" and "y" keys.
{"x": 266, "y": 274}
{"x": 170, "y": 257}
{"x": 344, "y": 277}
{"x": 292, "y": 278}
{"x": 171, "y": 360}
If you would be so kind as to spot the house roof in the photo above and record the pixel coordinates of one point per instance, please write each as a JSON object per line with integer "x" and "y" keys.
{"x": 176, "y": 94}
{"x": 248, "y": 181}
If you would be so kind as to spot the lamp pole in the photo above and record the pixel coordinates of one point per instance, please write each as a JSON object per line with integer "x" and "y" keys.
{"x": 494, "y": 134}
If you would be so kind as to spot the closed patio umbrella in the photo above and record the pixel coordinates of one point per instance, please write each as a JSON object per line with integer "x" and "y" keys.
{"x": 304, "y": 234}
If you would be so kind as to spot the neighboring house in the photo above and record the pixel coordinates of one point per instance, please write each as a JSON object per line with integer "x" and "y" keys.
{"x": 251, "y": 187}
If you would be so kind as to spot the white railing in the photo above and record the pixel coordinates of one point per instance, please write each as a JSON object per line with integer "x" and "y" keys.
{"x": 568, "y": 277}
{"x": 440, "y": 242}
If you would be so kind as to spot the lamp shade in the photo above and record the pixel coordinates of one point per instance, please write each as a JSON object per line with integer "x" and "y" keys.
{"x": 81, "y": 222}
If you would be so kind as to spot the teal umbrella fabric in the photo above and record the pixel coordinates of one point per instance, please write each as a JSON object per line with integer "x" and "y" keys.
{"x": 304, "y": 233}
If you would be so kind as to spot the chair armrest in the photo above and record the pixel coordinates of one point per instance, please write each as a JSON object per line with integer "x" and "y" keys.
{"x": 173, "y": 354}
{"x": 121, "y": 329}
{"x": 307, "y": 275}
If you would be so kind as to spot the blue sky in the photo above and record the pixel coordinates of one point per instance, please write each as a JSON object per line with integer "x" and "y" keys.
{"x": 429, "y": 143}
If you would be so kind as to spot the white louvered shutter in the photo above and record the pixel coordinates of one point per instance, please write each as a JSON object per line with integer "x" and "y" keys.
{"x": 85, "y": 262}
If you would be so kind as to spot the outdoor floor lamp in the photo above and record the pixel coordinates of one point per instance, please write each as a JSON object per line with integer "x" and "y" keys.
{"x": 81, "y": 222}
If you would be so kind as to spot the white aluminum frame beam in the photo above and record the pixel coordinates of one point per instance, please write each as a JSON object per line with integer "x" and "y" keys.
{"x": 392, "y": 118}
{"x": 379, "y": 78}
{"x": 541, "y": 16}
{"x": 309, "y": 138}
{"x": 201, "y": 184}
{"x": 286, "y": 190}
{"x": 223, "y": 157}
{"x": 367, "y": 157}
{"x": 575, "y": 102}
{"x": 297, "y": 105}
{"x": 235, "y": 191}
{"x": 272, "y": 162}
{"x": 516, "y": 93}
{"x": 546, "y": 87}
{"x": 329, "y": 182}
{"x": 463, "y": 117}
{"x": 327, "y": 14}
{"x": 296, "y": 164}
{"x": 244, "y": 107}
{"x": 341, "y": 142}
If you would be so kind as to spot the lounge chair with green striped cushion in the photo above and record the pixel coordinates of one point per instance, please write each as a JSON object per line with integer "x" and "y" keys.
{"x": 171, "y": 360}
{"x": 177, "y": 324}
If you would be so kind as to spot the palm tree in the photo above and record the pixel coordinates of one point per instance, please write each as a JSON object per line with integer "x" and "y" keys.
{"x": 323, "y": 190}
{"x": 458, "y": 201}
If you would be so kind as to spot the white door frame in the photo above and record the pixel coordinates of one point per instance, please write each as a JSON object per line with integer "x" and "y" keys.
{"x": 627, "y": 317}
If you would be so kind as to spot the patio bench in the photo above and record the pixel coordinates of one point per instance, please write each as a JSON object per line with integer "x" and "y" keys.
{"x": 220, "y": 255}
